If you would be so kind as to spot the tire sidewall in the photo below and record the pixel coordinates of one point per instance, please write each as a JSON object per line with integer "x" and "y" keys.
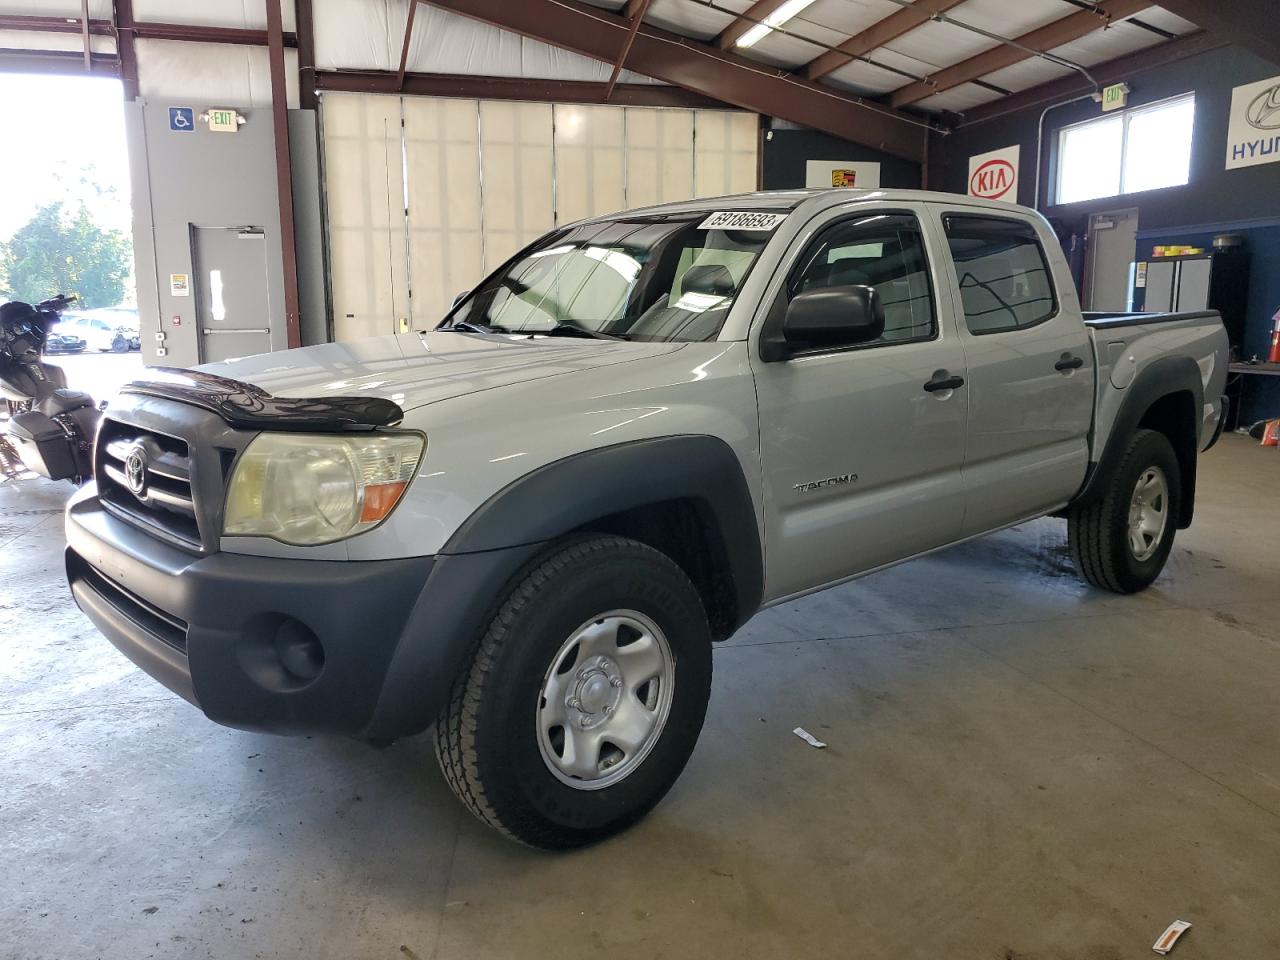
{"x": 1150, "y": 449}
{"x": 630, "y": 577}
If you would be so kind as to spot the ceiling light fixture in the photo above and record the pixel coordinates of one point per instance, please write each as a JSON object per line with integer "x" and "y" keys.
{"x": 770, "y": 23}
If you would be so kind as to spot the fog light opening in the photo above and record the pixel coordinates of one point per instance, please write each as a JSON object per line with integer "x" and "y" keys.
{"x": 299, "y": 650}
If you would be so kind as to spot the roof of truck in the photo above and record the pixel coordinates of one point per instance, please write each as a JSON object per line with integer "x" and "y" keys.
{"x": 818, "y": 199}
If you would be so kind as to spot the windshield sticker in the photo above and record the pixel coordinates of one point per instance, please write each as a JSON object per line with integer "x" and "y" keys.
{"x": 742, "y": 220}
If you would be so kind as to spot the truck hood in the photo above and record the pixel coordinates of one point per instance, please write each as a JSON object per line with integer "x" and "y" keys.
{"x": 414, "y": 369}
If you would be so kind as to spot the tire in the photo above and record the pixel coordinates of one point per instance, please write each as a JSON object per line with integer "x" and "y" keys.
{"x": 1101, "y": 534}
{"x": 495, "y": 738}
{"x": 119, "y": 345}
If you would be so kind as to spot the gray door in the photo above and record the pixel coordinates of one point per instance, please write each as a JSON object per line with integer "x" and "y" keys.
{"x": 862, "y": 461}
{"x": 233, "y": 307}
{"x": 1113, "y": 240}
{"x": 1030, "y": 381}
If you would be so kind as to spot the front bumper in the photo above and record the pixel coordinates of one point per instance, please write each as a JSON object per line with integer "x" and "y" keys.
{"x": 223, "y": 630}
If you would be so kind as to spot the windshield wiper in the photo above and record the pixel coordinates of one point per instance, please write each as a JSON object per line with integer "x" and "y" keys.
{"x": 567, "y": 328}
{"x": 474, "y": 326}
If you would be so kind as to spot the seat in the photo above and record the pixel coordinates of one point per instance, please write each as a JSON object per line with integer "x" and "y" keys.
{"x": 64, "y": 401}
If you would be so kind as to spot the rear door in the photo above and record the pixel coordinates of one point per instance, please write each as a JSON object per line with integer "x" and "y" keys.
{"x": 1031, "y": 376}
{"x": 861, "y": 463}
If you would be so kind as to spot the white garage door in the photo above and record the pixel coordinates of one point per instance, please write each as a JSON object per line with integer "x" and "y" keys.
{"x": 426, "y": 196}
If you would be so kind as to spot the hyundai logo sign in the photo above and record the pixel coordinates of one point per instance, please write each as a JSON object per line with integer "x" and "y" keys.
{"x": 1263, "y": 112}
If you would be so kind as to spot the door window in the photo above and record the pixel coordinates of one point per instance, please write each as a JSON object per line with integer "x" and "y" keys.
{"x": 885, "y": 252}
{"x": 1002, "y": 272}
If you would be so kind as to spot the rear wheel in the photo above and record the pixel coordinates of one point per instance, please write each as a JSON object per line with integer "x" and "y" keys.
{"x": 585, "y": 698}
{"x": 120, "y": 344}
{"x": 1122, "y": 538}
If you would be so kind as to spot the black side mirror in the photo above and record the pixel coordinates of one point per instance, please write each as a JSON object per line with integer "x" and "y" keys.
{"x": 829, "y": 317}
{"x": 460, "y": 297}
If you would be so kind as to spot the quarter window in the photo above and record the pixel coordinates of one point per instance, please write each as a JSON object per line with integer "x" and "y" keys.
{"x": 1002, "y": 272}
{"x": 885, "y": 252}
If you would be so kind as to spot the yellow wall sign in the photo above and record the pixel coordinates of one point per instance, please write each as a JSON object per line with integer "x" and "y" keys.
{"x": 843, "y": 178}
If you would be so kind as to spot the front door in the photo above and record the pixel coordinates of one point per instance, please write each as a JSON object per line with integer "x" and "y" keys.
{"x": 1031, "y": 370}
{"x": 861, "y": 463}
{"x": 233, "y": 308}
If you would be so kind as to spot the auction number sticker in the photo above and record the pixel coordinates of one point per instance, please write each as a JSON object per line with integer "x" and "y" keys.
{"x": 742, "y": 220}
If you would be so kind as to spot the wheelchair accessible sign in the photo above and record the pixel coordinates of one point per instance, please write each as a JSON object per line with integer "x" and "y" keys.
{"x": 182, "y": 119}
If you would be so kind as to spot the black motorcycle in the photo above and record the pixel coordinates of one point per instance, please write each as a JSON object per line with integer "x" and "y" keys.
{"x": 51, "y": 429}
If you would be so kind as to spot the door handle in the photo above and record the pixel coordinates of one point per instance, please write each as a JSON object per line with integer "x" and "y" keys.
{"x": 1068, "y": 362}
{"x": 944, "y": 383}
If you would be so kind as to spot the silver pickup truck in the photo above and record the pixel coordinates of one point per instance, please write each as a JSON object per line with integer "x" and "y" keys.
{"x": 526, "y": 527}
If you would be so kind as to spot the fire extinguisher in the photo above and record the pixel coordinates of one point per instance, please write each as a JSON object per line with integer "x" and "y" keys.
{"x": 1274, "y": 355}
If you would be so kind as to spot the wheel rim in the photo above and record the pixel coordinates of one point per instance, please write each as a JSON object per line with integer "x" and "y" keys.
{"x": 605, "y": 699}
{"x": 1148, "y": 513}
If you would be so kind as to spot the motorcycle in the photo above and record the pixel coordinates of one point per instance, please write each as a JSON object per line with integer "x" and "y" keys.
{"x": 51, "y": 429}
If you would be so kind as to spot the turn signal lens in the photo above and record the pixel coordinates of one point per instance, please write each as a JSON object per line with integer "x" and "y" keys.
{"x": 309, "y": 489}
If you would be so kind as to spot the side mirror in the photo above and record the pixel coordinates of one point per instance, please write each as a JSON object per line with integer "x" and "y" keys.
{"x": 460, "y": 297}
{"x": 833, "y": 317}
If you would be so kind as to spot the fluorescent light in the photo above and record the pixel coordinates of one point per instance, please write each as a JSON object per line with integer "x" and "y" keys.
{"x": 770, "y": 23}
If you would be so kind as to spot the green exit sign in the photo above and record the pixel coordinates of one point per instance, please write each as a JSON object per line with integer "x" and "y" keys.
{"x": 223, "y": 120}
{"x": 1115, "y": 96}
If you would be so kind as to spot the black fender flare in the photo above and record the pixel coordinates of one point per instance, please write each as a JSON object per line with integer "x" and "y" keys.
{"x": 514, "y": 525}
{"x": 1159, "y": 379}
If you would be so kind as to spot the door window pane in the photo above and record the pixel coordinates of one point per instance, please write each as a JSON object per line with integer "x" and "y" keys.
{"x": 884, "y": 252}
{"x": 1003, "y": 276}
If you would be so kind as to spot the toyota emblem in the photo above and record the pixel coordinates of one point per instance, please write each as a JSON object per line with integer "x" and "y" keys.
{"x": 135, "y": 470}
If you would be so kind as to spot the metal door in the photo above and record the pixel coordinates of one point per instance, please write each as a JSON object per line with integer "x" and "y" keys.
{"x": 1113, "y": 239}
{"x": 861, "y": 450}
{"x": 233, "y": 309}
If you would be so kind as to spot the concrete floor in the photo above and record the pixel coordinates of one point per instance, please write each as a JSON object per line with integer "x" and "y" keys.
{"x": 1019, "y": 767}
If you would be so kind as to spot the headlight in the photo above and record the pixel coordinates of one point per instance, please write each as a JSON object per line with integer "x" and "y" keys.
{"x": 308, "y": 489}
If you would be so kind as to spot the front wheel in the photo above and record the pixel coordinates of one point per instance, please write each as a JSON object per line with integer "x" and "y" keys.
{"x": 119, "y": 345}
{"x": 1121, "y": 540}
{"x": 585, "y": 697}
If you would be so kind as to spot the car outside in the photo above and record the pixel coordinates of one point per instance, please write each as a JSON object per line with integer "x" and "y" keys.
{"x": 112, "y": 329}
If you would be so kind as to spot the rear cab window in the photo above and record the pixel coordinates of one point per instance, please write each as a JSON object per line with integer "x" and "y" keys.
{"x": 1002, "y": 272}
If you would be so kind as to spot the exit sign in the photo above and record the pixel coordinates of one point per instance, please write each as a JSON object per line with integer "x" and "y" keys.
{"x": 1115, "y": 96}
{"x": 224, "y": 120}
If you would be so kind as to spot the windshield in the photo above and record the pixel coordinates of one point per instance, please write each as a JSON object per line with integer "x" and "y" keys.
{"x": 642, "y": 278}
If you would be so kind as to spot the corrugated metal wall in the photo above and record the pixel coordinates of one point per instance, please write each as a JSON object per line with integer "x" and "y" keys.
{"x": 419, "y": 212}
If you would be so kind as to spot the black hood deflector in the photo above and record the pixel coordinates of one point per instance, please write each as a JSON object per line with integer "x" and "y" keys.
{"x": 246, "y": 406}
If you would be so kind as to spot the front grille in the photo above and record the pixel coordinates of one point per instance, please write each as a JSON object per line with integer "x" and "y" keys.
{"x": 163, "y": 626}
{"x": 163, "y": 501}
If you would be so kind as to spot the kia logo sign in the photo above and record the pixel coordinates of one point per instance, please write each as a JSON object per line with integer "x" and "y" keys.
{"x": 1263, "y": 112}
{"x": 992, "y": 180}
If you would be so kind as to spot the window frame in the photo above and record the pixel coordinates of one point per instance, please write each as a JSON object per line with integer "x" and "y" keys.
{"x": 785, "y": 295}
{"x": 1056, "y": 306}
{"x": 1124, "y": 116}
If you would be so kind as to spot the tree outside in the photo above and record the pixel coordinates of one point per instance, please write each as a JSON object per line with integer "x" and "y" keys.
{"x": 61, "y": 250}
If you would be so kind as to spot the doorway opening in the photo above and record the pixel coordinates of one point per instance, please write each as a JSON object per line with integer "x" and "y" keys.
{"x": 66, "y": 219}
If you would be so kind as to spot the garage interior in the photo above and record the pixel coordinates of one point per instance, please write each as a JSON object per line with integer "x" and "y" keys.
{"x": 1017, "y": 766}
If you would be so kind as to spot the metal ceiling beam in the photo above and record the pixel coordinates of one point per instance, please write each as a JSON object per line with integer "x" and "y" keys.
{"x": 14, "y": 60}
{"x": 472, "y": 87}
{"x": 1021, "y": 48}
{"x": 749, "y": 18}
{"x": 146, "y": 31}
{"x": 600, "y": 35}
{"x": 306, "y": 54}
{"x": 122, "y": 27}
{"x": 84, "y": 35}
{"x": 1112, "y": 71}
{"x": 877, "y": 35}
{"x": 284, "y": 170}
{"x": 636, "y": 17}
{"x": 1247, "y": 23}
{"x": 408, "y": 36}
